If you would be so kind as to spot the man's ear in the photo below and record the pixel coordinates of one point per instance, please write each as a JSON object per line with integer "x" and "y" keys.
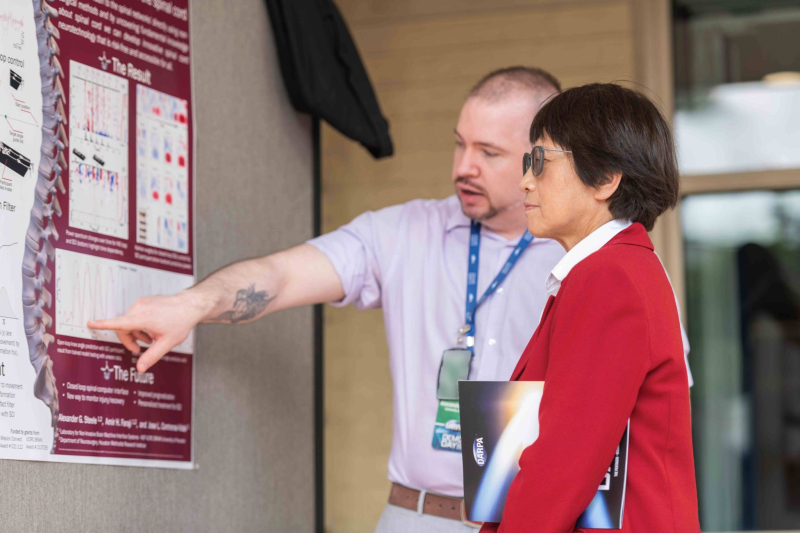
{"x": 605, "y": 190}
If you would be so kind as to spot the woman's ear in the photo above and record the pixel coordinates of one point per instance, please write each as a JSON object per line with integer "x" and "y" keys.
{"x": 605, "y": 190}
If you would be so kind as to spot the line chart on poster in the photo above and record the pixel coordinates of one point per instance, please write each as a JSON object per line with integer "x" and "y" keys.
{"x": 98, "y": 156}
{"x": 12, "y": 23}
{"x": 20, "y": 118}
{"x": 89, "y": 288}
{"x": 6, "y": 309}
{"x": 17, "y": 112}
{"x": 29, "y": 120}
{"x": 6, "y": 312}
{"x": 17, "y": 104}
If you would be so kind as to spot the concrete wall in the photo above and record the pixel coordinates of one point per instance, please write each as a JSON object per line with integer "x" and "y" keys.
{"x": 253, "y": 424}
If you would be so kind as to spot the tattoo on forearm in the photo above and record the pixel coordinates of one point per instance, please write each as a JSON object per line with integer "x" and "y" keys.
{"x": 248, "y": 305}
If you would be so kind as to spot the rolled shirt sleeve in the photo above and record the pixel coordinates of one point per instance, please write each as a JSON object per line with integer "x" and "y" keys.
{"x": 361, "y": 252}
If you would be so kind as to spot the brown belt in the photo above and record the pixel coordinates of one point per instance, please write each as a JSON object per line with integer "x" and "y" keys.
{"x": 441, "y": 506}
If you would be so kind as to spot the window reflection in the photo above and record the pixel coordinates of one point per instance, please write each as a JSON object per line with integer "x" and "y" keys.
{"x": 737, "y": 80}
{"x": 743, "y": 306}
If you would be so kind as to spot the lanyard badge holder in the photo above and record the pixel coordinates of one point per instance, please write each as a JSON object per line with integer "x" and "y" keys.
{"x": 456, "y": 362}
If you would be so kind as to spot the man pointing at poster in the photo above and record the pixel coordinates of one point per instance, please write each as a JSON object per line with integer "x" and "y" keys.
{"x": 460, "y": 281}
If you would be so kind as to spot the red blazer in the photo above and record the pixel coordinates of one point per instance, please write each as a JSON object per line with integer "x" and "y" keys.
{"x": 608, "y": 348}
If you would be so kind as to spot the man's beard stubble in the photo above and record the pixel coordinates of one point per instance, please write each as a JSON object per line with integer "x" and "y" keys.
{"x": 491, "y": 210}
{"x": 487, "y": 213}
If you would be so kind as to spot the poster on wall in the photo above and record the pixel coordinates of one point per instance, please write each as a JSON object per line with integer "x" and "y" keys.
{"x": 96, "y": 210}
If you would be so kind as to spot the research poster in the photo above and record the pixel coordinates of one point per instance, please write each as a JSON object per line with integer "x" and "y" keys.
{"x": 96, "y": 210}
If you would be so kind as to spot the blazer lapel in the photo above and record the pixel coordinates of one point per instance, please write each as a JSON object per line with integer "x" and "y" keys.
{"x": 523, "y": 360}
{"x": 634, "y": 235}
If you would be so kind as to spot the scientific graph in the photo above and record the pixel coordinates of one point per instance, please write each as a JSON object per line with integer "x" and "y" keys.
{"x": 12, "y": 24}
{"x": 20, "y": 86}
{"x": 89, "y": 288}
{"x": 6, "y": 311}
{"x": 98, "y": 159}
{"x": 104, "y": 190}
{"x": 162, "y": 134}
{"x": 98, "y": 104}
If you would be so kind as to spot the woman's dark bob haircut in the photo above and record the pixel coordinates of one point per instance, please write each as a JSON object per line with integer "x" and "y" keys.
{"x": 612, "y": 129}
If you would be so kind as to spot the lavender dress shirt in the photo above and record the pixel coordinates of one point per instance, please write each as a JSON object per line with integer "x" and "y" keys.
{"x": 411, "y": 261}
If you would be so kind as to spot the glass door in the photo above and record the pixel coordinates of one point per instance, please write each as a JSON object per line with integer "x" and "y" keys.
{"x": 742, "y": 254}
{"x": 737, "y": 131}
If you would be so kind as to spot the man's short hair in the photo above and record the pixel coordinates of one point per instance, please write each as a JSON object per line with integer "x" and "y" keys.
{"x": 499, "y": 83}
{"x": 612, "y": 129}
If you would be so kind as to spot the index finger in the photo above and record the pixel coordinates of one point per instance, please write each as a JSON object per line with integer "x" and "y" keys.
{"x": 153, "y": 354}
{"x": 118, "y": 323}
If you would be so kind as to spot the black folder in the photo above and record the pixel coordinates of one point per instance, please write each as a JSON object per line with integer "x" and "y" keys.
{"x": 499, "y": 419}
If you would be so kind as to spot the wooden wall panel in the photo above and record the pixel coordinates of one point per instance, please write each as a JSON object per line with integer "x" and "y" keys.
{"x": 363, "y": 12}
{"x": 423, "y": 57}
{"x": 466, "y": 63}
{"x": 545, "y": 25}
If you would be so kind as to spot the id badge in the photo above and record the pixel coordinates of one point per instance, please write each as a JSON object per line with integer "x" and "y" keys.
{"x": 447, "y": 429}
{"x": 454, "y": 368}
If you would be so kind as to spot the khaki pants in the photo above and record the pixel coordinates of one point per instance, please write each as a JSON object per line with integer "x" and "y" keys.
{"x": 399, "y": 520}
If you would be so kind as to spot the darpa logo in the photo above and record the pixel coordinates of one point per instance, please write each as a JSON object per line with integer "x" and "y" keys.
{"x": 478, "y": 452}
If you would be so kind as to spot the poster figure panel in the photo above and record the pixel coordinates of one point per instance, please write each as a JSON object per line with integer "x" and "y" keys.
{"x": 25, "y": 405}
{"x": 162, "y": 176}
{"x": 12, "y": 26}
{"x": 68, "y": 152}
{"x": 92, "y": 288}
{"x": 20, "y": 99}
{"x": 98, "y": 158}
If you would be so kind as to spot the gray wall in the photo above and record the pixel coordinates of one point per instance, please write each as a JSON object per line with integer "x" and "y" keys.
{"x": 253, "y": 424}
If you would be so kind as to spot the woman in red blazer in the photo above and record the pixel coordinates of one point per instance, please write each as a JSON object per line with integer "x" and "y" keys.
{"x": 608, "y": 345}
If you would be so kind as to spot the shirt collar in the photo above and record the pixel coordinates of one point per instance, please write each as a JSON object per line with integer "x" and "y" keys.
{"x": 589, "y": 245}
{"x": 456, "y": 218}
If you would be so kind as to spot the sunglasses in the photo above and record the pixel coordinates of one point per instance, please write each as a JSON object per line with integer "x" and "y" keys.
{"x": 535, "y": 159}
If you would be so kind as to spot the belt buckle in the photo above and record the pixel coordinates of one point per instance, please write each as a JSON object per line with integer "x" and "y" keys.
{"x": 473, "y": 525}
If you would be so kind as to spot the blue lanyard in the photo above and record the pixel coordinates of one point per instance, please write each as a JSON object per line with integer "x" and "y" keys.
{"x": 472, "y": 278}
